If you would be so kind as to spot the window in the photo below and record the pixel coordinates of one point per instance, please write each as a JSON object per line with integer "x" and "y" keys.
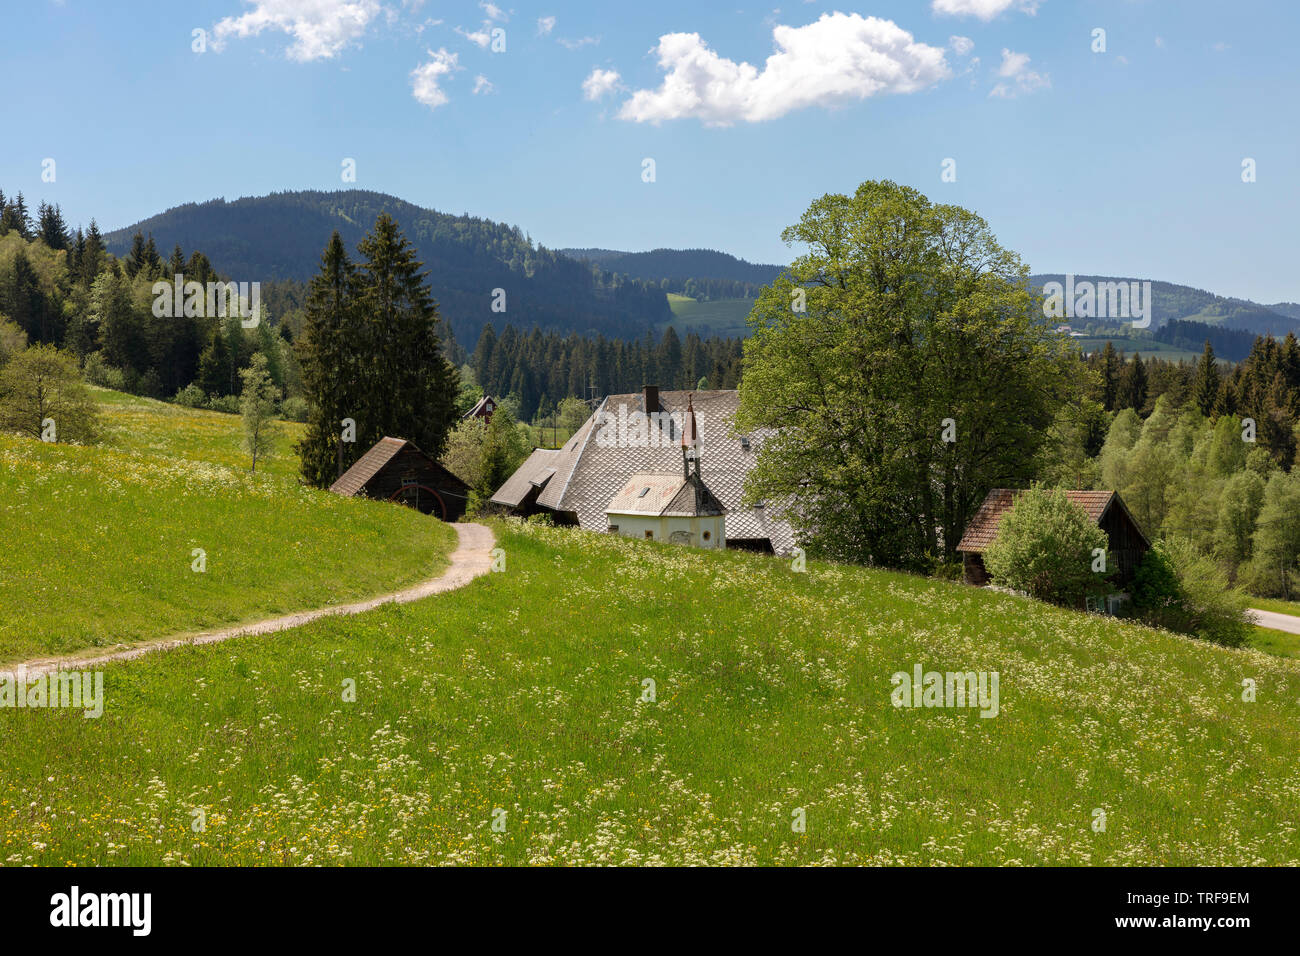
{"x": 613, "y": 528}
{"x": 644, "y": 492}
{"x": 649, "y": 534}
{"x": 708, "y": 535}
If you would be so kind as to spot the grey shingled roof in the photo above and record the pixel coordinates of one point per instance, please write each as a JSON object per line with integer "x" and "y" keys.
{"x": 587, "y": 475}
{"x": 533, "y": 473}
{"x": 664, "y": 496}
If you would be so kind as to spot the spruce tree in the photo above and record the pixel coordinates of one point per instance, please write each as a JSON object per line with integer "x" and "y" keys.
{"x": 90, "y": 257}
{"x": 1205, "y": 392}
{"x": 1109, "y": 377}
{"x": 22, "y": 219}
{"x": 51, "y": 229}
{"x": 328, "y": 350}
{"x": 1133, "y": 386}
{"x": 409, "y": 387}
{"x": 136, "y": 258}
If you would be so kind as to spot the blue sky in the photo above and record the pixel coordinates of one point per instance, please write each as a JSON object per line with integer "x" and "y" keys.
{"x": 1127, "y": 161}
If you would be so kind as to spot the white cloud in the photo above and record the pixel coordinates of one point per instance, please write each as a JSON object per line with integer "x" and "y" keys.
{"x": 494, "y": 12}
{"x": 961, "y": 45}
{"x": 838, "y": 59}
{"x": 983, "y": 9}
{"x": 1020, "y": 79}
{"x": 480, "y": 37}
{"x": 426, "y": 77}
{"x": 320, "y": 28}
{"x": 599, "y": 83}
{"x": 545, "y": 25}
{"x": 482, "y": 85}
{"x": 578, "y": 43}
{"x": 1012, "y": 63}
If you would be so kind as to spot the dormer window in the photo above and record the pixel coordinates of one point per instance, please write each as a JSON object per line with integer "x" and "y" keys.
{"x": 744, "y": 442}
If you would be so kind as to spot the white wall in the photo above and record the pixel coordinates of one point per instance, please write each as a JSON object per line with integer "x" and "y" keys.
{"x": 662, "y": 529}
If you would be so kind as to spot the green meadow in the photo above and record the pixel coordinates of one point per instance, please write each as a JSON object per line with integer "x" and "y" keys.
{"x": 101, "y": 540}
{"x": 724, "y": 317}
{"x": 525, "y": 699}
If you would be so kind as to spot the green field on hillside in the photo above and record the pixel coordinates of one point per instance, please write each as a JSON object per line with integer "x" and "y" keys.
{"x": 101, "y": 539}
{"x": 1148, "y": 348}
{"x": 526, "y": 692}
{"x": 721, "y": 317}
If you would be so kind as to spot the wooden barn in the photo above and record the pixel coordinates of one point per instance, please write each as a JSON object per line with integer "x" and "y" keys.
{"x": 396, "y": 470}
{"x": 483, "y": 409}
{"x": 1127, "y": 543}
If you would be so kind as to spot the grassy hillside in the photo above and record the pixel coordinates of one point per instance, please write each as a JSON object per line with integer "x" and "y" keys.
{"x": 101, "y": 538}
{"x": 524, "y": 692}
{"x": 724, "y": 317}
{"x": 1147, "y": 347}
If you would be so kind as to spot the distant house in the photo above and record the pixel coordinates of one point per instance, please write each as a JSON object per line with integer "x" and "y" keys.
{"x": 636, "y": 436}
{"x": 1127, "y": 543}
{"x": 483, "y": 409}
{"x": 396, "y": 470}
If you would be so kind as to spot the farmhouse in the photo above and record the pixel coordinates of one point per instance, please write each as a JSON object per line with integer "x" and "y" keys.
{"x": 668, "y": 507}
{"x": 396, "y": 470}
{"x": 483, "y": 409}
{"x": 638, "y": 435}
{"x": 1127, "y": 543}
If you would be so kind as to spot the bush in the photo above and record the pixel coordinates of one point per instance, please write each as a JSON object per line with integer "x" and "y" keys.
{"x": 294, "y": 409}
{"x": 98, "y": 372}
{"x": 224, "y": 403}
{"x": 42, "y": 396}
{"x": 191, "y": 396}
{"x": 1181, "y": 590}
{"x": 1045, "y": 546}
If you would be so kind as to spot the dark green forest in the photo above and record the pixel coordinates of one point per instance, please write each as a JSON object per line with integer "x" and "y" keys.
{"x": 539, "y": 370}
{"x": 280, "y": 237}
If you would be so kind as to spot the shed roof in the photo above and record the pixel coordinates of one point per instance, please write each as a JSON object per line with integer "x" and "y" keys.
{"x": 372, "y": 463}
{"x": 483, "y": 407}
{"x": 367, "y": 466}
{"x": 535, "y": 472}
{"x": 983, "y": 527}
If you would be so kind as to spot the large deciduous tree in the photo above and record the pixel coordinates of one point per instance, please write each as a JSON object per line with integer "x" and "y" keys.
{"x": 906, "y": 369}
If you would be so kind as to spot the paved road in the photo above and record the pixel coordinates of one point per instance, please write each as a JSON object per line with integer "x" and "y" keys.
{"x": 472, "y": 557}
{"x": 1278, "y": 622}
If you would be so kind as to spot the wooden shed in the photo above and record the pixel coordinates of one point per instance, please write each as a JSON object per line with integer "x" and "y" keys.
{"x": 1127, "y": 543}
{"x": 396, "y": 470}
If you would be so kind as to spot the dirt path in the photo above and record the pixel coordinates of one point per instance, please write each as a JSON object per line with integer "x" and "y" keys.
{"x": 472, "y": 557}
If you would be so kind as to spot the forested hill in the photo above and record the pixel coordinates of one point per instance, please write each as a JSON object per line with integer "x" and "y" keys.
{"x": 281, "y": 236}
{"x": 1171, "y": 301}
{"x": 715, "y": 274}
